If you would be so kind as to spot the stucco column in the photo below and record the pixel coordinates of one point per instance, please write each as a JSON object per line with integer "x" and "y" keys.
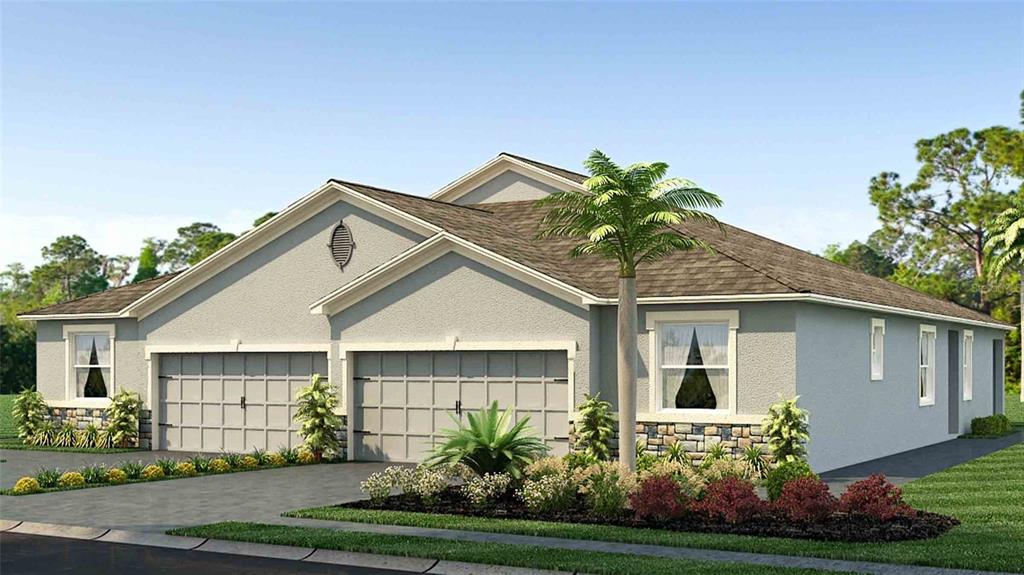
{"x": 626, "y": 356}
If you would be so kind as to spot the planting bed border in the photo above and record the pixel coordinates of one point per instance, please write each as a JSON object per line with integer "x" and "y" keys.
{"x": 18, "y": 445}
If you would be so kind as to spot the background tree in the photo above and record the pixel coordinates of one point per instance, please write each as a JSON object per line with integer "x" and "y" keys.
{"x": 194, "y": 243}
{"x": 627, "y": 217}
{"x": 73, "y": 264}
{"x": 1007, "y": 248}
{"x": 149, "y": 259}
{"x": 17, "y": 338}
{"x": 263, "y": 218}
{"x": 863, "y": 257}
{"x": 116, "y": 269}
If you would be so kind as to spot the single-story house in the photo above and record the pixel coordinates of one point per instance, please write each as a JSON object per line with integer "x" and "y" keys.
{"x": 420, "y": 309}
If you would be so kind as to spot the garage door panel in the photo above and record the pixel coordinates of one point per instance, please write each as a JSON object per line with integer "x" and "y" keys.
{"x": 368, "y": 392}
{"x": 212, "y": 439}
{"x": 191, "y": 414}
{"x": 392, "y": 364}
{"x": 499, "y": 364}
{"x": 557, "y": 395}
{"x": 191, "y": 389}
{"x": 277, "y": 439}
{"x": 213, "y": 364}
{"x": 277, "y": 417}
{"x": 191, "y": 438}
{"x": 393, "y": 392}
{"x": 419, "y": 364}
{"x": 555, "y": 424}
{"x": 446, "y": 393}
{"x": 418, "y": 447}
{"x": 255, "y": 416}
{"x": 394, "y": 446}
{"x": 371, "y": 420}
{"x": 191, "y": 365}
{"x": 213, "y": 415}
{"x": 172, "y": 438}
{"x": 277, "y": 364}
{"x": 530, "y": 395}
{"x": 170, "y": 364}
{"x": 473, "y": 364}
{"x": 420, "y": 420}
{"x": 171, "y": 390}
{"x": 446, "y": 364}
{"x": 171, "y": 415}
{"x": 255, "y": 391}
{"x": 255, "y": 439}
{"x": 530, "y": 364}
{"x": 319, "y": 365}
{"x": 277, "y": 391}
{"x": 392, "y": 419}
{"x": 421, "y": 393}
{"x": 504, "y": 392}
{"x": 213, "y": 390}
{"x": 234, "y": 440}
{"x": 474, "y": 394}
{"x": 234, "y": 416}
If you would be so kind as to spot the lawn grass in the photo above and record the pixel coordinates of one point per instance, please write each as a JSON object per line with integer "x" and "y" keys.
{"x": 1014, "y": 408}
{"x": 487, "y": 553}
{"x": 986, "y": 494}
{"x": 7, "y": 428}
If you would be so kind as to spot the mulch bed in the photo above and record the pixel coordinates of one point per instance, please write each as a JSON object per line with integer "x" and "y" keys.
{"x": 838, "y": 527}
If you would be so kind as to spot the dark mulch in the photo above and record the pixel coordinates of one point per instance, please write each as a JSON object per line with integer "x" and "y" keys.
{"x": 838, "y": 527}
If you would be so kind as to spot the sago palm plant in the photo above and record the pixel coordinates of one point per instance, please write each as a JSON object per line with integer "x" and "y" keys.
{"x": 628, "y": 215}
{"x": 316, "y": 413}
{"x": 1006, "y": 248}
{"x": 490, "y": 443}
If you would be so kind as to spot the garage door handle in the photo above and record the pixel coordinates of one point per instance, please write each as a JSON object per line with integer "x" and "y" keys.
{"x": 360, "y": 431}
{"x": 243, "y": 402}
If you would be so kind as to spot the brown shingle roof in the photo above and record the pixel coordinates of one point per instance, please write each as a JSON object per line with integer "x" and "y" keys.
{"x": 110, "y": 301}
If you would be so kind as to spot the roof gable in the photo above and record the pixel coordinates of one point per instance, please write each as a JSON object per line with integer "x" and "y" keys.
{"x": 556, "y": 178}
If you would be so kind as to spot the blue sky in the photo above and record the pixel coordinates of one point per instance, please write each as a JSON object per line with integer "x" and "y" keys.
{"x": 121, "y": 121}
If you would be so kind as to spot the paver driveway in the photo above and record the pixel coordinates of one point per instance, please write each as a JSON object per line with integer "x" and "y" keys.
{"x": 247, "y": 496}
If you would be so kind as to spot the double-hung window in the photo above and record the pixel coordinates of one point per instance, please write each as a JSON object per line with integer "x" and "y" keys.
{"x": 90, "y": 361}
{"x": 968, "y": 365}
{"x": 877, "y": 348}
{"x": 694, "y": 360}
{"x": 926, "y": 366}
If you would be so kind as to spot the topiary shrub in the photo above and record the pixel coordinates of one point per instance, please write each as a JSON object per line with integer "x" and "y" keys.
{"x": 731, "y": 500}
{"x": 27, "y": 485}
{"x": 315, "y": 412}
{"x": 778, "y": 477}
{"x": 785, "y": 428}
{"x": 116, "y": 476}
{"x": 218, "y": 465}
{"x": 151, "y": 472}
{"x": 992, "y": 426}
{"x": 806, "y": 499}
{"x": 123, "y": 418}
{"x": 659, "y": 498}
{"x": 29, "y": 413}
{"x": 71, "y": 479}
{"x": 874, "y": 497}
{"x": 595, "y": 426}
{"x": 185, "y": 469}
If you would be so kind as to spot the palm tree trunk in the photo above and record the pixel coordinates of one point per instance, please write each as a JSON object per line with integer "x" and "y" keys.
{"x": 627, "y": 355}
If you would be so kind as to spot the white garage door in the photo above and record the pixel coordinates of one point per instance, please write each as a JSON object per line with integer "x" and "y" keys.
{"x": 403, "y": 399}
{"x": 232, "y": 402}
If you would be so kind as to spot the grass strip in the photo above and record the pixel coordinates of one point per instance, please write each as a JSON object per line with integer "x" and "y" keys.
{"x": 17, "y": 445}
{"x": 486, "y": 553}
{"x": 991, "y": 536}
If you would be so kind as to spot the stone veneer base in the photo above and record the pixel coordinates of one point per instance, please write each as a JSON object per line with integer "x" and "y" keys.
{"x": 81, "y": 417}
{"x": 695, "y": 438}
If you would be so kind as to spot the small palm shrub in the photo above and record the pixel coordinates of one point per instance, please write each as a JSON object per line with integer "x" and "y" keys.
{"x": 123, "y": 418}
{"x": 133, "y": 469}
{"x": 275, "y": 460}
{"x": 606, "y": 488}
{"x": 755, "y": 458}
{"x": 714, "y": 452}
{"x": 248, "y": 462}
{"x": 232, "y": 459}
{"x": 71, "y": 479}
{"x": 219, "y": 465}
{"x": 29, "y": 412}
{"x": 116, "y": 476}
{"x": 644, "y": 459}
{"x": 87, "y": 438}
{"x": 786, "y": 430}
{"x": 166, "y": 465}
{"x": 806, "y": 499}
{"x": 151, "y": 472}
{"x": 731, "y": 500}
{"x": 105, "y": 439}
{"x": 595, "y": 426}
{"x": 315, "y": 412}
{"x": 94, "y": 474}
{"x": 874, "y": 497}
{"x": 487, "y": 488}
{"x": 676, "y": 454}
{"x": 200, "y": 463}
{"x": 291, "y": 456}
{"x": 27, "y": 485}
{"x": 65, "y": 435}
{"x": 44, "y": 434}
{"x": 260, "y": 455}
{"x": 489, "y": 443}
{"x": 47, "y": 477}
{"x": 776, "y": 478}
{"x": 184, "y": 469}
{"x": 659, "y": 498}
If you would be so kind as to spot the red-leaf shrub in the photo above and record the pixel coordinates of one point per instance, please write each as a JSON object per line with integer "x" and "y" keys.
{"x": 806, "y": 499}
{"x": 658, "y": 497}
{"x": 734, "y": 500}
{"x": 874, "y": 497}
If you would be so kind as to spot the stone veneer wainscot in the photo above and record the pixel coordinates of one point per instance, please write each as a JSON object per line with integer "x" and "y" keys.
{"x": 695, "y": 438}
{"x": 81, "y": 417}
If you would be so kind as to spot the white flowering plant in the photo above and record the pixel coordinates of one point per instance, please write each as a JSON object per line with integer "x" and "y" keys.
{"x": 487, "y": 488}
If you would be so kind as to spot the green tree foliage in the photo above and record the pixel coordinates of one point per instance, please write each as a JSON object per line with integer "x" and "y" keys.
{"x": 1006, "y": 246}
{"x": 862, "y": 257}
{"x": 315, "y": 412}
{"x": 29, "y": 412}
{"x": 73, "y": 265}
{"x": 785, "y": 428}
{"x": 149, "y": 259}
{"x": 263, "y": 218}
{"x": 116, "y": 269}
{"x": 595, "y": 426}
{"x": 491, "y": 442}
{"x": 194, "y": 243}
{"x": 123, "y": 418}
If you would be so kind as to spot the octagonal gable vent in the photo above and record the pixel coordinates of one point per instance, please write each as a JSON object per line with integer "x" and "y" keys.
{"x": 341, "y": 245}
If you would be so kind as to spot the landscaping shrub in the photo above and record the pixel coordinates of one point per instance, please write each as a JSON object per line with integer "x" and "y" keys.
{"x": 44, "y": 433}
{"x": 65, "y": 435}
{"x": 578, "y": 460}
{"x": 806, "y": 499}
{"x": 71, "y": 479}
{"x": 185, "y": 468}
{"x": 644, "y": 459}
{"x": 202, "y": 464}
{"x": 151, "y": 472}
{"x": 248, "y": 462}
{"x": 315, "y": 411}
{"x": 275, "y": 459}
{"x": 720, "y": 469}
{"x": 29, "y": 412}
{"x": 94, "y": 474}
{"x": 234, "y": 460}
{"x": 166, "y": 465}
{"x": 290, "y": 455}
{"x": 786, "y": 430}
{"x": 606, "y": 487}
{"x": 425, "y": 482}
{"x": 88, "y": 437}
{"x": 690, "y": 481}
{"x": 546, "y": 466}
{"x": 776, "y": 478}
{"x": 489, "y": 443}
{"x": 676, "y": 454}
{"x": 713, "y": 453}
{"x": 595, "y": 426}
{"x": 487, "y": 488}
{"x": 47, "y": 477}
{"x": 549, "y": 493}
{"x": 377, "y": 486}
{"x": 116, "y": 476}
{"x": 27, "y": 485}
{"x": 105, "y": 439}
{"x": 133, "y": 469}
{"x": 993, "y": 425}
{"x": 305, "y": 457}
{"x": 219, "y": 465}
{"x": 756, "y": 459}
{"x": 659, "y": 497}
{"x": 260, "y": 455}
{"x": 123, "y": 418}
{"x": 874, "y": 497}
{"x": 732, "y": 500}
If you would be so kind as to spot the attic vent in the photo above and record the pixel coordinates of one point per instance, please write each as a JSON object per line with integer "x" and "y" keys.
{"x": 341, "y": 245}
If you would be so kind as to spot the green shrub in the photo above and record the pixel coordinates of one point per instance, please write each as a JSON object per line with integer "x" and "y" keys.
{"x": 65, "y": 435}
{"x": 290, "y": 455}
{"x": 260, "y": 455}
{"x": 606, "y": 487}
{"x": 27, "y": 485}
{"x": 105, "y": 439}
{"x": 305, "y": 457}
{"x": 785, "y": 428}
{"x": 578, "y": 460}
{"x": 549, "y": 493}
{"x": 726, "y": 468}
{"x": 166, "y": 465}
{"x": 219, "y": 465}
{"x": 486, "y": 489}
{"x": 123, "y": 418}
{"x": 595, "y": 427}
{"x": 644, "y": 459}
{"x": 29, "y": 412}
{"x": 151, "y": 472}
{"x": 232, "y": 459}
{"x": 490, "y": 443}
{"x": 185, "y": 469}
{"x": 44, "y": 434}
{"x": 993, "y": 425}
{"x": 378, "y": 486}
{"x": 48, "y": 477}
{"x": 676, "y": 454}
{"x": 88, "y": 437}
{"x": 71, "y": 479}
{"x": 94, "y": 474}
{"x": 116, "y": 476}
{"x": 275, "y": 460}
{"x": 315, "y": 412}
{"x": 248, "y": 462}
{"x": 754, "y": 456}
{"x": 200, "y": 463}
{"x": 133, "y": 469}
{"x": 777, "y": 478}
{"x": 713, "y": 453}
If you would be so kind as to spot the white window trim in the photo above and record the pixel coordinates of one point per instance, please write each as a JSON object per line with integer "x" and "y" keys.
{"x": 929, "y": 398}
{"x": 968, "y": 366}
{"x": 70, "y": 384}
{"x": 880, "y": 373}
{"x": 654, "y": 321}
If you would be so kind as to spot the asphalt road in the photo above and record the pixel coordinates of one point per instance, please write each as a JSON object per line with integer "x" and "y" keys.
{"x": 29, "y": 554}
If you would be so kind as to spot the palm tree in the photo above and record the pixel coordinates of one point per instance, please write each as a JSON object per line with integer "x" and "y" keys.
{"x": 1006, "y": 245}
{"x": 627, "y": 216}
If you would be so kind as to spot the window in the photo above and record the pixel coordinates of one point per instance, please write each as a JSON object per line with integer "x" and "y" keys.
{"x": 877, "y": 348}
{"x": 90, "y": 350}
{"x": 926, "y": 366}
{"x": 694, "y": 366}
{"x": 968, "y": 365}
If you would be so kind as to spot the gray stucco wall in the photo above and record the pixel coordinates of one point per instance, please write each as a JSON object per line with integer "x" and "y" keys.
{"x": 854, "y": 419}
{"x": 765, "y": 353}
{"x": 507, "y": 187}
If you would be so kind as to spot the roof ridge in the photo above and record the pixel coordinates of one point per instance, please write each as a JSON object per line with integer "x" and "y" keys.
{"x": 414, "y": 196}
{"x": 544, "y": 164}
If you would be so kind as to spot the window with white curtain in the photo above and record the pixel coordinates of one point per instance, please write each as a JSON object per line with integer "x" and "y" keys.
{"x": 926, "y": 366}
{"x": 968, "y": 365}
{"x": 92, "y": 363}
{"x": 694, "y": 365}
{"x": 877, "y": 348}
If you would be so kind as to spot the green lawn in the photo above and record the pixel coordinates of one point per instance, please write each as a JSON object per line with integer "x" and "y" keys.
{"x": 7, "y": 428}
{"x": 487, "y": 553}
{"x": 987, "y": 495}
{"x": 1014, "y": 408}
